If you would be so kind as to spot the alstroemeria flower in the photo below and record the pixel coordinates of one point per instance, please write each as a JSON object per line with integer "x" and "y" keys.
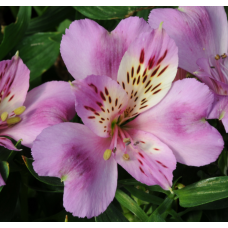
{"x": 24, "y": 115}
{"x": 85, "y": 157}
{"x": 202, "y": 38}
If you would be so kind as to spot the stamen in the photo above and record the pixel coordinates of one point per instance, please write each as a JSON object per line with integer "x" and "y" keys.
{"x": 224, "y": 56}
{"x": 127, "y": 141}
{"x": 4, "y": 116}
{"x": 20, "y": 110}
{"x": 13, "y": 120}
{"x": 217, "y": 57}
{"x": 126, "y": 157}
{"x": 136, "y": 143}
{"x": 107, "y": 154}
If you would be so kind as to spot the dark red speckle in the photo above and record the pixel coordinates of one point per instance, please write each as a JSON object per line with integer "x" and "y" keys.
{"x": 11, "y": 98}
{"x": 163, "y": 70}
{"x": 161, "y": 164}
{"x": 99, "y": 103}
{"x": 162, "y": 58}
{"x": 155, "y": 71}
{"x": 141, "y": 58}
{"x": 140, "y": 162}
{"x": 94, "y": 87}
{"x": 102, "y": 96}
{"x": 141, "y": 155}
{"x": 151, "y": 63}
{"x": 106, "y": 91}
{"x": 141, "y": 170}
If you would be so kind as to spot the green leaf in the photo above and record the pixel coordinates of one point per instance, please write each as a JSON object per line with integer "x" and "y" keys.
{"x": 194, "y": 216}
{"x": 49, "y": 19}
{"x": 109, "y": 12}
{"x": 155, "y": 188}
{"x": 112, "y": 214}
{"x": 162, "y": 208}
{"x": 39, "y": 52}
{"x": 223, "y": 162}
{"x": 47, "y": 180}
{"x": 204, "y": 191}
{"x": 64, "y": 25}
{"x": 219, "y": 204}
{"x": 40, "y": 9}
{"x": 13, "y": 33}
{"x": 156, "y": 217}
{"x": 4, "y": 171}
{"x": 130, "y": 204}
{"x": 9, "y": 197}
{"x": 144, "y": 196}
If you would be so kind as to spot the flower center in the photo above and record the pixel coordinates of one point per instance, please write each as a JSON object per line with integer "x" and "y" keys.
{"x": 12, "y": 118}
{"x": 219, "y": 67}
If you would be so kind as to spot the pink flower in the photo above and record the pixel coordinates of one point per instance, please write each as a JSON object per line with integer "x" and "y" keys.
{"x": 24, "y": 116}
{"x": 202, "y": 38}
{"x": 167, "y": 128}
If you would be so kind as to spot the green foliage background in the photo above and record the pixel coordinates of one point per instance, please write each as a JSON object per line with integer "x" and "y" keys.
{"x": 199, "y": 193}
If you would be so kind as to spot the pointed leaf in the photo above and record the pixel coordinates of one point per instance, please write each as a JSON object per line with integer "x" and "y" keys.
{"x": 38, "y": 52}
{"x": 204, "y": 191}
{"x": 47, "y": 180}
{"x": 14, "y": 32}
{"x": 130, "y": 204}
{"x": 49, "y": 19}
{"x": 109, "y": 12}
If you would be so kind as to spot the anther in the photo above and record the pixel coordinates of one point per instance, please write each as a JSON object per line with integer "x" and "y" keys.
{"x": 136, "y": 143}
{"x": 20, "y": 110}
{"x": 224, "y": 56}
{"x": 107, "y": 154}
{"x": 13, "y": 120}
{"x": 217, "y": 57}
{"x": 4, "y": 116}
{"x": 127, "y": 141}
{"x": 126, "y": 157}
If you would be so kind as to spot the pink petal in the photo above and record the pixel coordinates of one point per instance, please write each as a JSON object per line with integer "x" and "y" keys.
{"x": 147, "y": 70}
{"x": 46, "y": 105}
{"x": 151, "y": 161}
{"x": 2, "y": 182}
{"x": 99, "y": 102}
{"x": 7, "y": 143}
{"x": 14, "y": 84}
{"x": 220, "y": 110}
{"x": 179, "y": 121}
{"x": 74, "y": 153}
{"x": 87, "y": 48}
{"x": 198, "y": 31}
